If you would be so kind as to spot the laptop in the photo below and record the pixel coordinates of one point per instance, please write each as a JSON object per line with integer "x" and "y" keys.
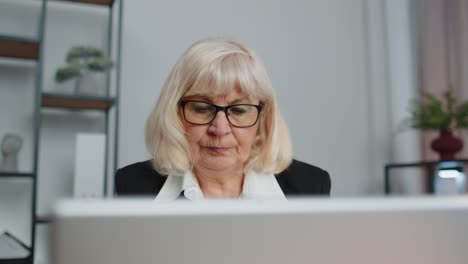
{"x": 424, "y": 230}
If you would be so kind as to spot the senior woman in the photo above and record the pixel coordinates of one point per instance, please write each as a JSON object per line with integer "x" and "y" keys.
{"x": 216, "y": 133}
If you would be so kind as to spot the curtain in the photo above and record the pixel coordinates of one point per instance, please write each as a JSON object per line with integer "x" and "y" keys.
{"x": 443, "y": 56}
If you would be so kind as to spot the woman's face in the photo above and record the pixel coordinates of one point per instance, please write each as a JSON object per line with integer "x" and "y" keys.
{"x": 220, "y": 146}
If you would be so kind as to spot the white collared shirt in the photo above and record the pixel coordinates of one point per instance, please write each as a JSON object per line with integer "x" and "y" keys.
{"x": 256, "y": 187}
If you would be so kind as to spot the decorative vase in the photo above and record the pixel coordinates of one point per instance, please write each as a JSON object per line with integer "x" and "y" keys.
{"x": 10, "y": 147}
{"x": 89, "y": 84}
{"x": 447, "y": 145}
{"x": 79, "y": 84}
{"x": 84, "y": 83}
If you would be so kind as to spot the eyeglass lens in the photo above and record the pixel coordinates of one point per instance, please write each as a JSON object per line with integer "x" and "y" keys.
{"x": 241, "y": 115}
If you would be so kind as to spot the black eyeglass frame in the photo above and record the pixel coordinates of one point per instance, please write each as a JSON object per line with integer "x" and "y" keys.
{"x": 221, "y": 108}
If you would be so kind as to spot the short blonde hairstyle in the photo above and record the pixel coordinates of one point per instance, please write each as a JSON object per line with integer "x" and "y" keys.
{"x": 215, "y": 66}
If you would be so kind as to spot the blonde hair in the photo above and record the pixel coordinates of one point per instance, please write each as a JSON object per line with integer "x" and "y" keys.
{"x": 216, "y": 66}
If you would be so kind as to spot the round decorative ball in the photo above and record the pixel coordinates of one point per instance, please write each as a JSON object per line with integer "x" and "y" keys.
{"x": 11, "y": 143}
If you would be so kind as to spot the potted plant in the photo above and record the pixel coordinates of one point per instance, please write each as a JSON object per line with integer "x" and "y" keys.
{"x": 443, "y": 115}
{"x": 81, "y": 60}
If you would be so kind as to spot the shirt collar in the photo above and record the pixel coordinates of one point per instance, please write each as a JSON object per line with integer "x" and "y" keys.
{"x": 256, "y": 187}
{"x": 261, "y": 187}
{"x": 191, "y": 188}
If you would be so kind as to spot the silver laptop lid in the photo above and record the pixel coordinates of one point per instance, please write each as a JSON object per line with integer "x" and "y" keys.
{"x": 364, "y": 231}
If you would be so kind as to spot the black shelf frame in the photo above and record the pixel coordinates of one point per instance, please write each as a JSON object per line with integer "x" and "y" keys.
{"x": 10, "y": 174}
{"x": 42, "y": 220}
{"x": 108, "y": 3}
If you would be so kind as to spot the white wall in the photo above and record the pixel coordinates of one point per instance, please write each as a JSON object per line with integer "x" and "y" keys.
{"x": 342, "y": 69}
{"x": 318, "y": 56}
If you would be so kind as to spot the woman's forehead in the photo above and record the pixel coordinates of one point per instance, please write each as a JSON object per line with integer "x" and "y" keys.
{"x": 231, "y": 96}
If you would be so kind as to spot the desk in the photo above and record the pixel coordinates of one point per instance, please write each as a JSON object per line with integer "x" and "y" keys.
{"x": 429, "y": 166}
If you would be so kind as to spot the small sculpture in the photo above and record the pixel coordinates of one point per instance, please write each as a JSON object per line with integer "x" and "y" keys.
{"x": 10, "y": 147}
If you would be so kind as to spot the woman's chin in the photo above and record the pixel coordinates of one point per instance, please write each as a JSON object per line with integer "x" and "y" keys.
{"x": 220, "y": 163}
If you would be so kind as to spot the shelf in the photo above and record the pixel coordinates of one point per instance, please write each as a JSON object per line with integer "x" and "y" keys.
{"x": 99, "y": 2}
{"x": 17, "y": 47}
{"x": 42, "y": 220}
{"x": 76, "y": 102}
{"x": 93, "y": 2}
{"x": 6, "y": 174}
{"x": 423, "y": 163}
{"x": 15, "y": 261}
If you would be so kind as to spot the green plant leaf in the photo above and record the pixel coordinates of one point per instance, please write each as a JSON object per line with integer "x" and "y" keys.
{"x": 100, "y": 64}
{"x": 78, "y": 53}
{"x": 428, "y": 113}
{"x": 462, "y": 115}
{"x": 81, "y": 59}
{"x": 68, "y": 72}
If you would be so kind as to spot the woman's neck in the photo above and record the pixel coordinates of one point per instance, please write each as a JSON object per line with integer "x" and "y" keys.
{"x": 220, "y": 184}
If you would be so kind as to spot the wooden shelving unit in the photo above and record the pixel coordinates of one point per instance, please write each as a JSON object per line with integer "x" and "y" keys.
{"x": 76, "y": 102}
{"x": 29, "y": 49}
{"x": 21, "y": 48}
{"x": 93, "y": 2}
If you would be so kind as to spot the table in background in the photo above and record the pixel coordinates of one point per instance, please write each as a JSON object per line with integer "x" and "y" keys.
{"x": 430, "y": 168}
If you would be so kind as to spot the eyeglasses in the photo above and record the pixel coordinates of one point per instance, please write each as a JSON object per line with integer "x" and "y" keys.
{"x": 203, "y": 113}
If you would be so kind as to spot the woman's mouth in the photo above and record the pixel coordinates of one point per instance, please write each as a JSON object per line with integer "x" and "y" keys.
{"x": 218, "y": 150}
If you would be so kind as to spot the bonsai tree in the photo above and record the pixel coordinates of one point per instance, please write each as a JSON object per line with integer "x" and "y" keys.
{"x": 81, "y": 60}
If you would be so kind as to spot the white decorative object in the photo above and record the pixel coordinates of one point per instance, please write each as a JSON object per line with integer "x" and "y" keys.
{"x": 449, "y": 182}
{"x": 89, "y": 165}
{"x": 11, "y": 145}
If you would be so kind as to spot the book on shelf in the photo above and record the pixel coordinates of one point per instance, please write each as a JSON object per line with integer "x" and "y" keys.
{"x": 12, "y": 248}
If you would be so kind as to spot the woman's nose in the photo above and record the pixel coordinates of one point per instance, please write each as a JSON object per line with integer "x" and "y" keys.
{"x": 220, "y": 125}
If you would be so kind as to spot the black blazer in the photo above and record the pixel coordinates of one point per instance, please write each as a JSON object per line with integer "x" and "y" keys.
{"x": 298, "y": 179}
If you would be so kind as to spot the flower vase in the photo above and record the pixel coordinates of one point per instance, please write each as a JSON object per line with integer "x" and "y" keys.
{"x": 78, "y": 84}
{"x": 447, "y": 145}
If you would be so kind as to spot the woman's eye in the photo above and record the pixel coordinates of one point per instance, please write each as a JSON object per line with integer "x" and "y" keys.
{"x": 202, "y": 109}
{"x": 238, "y": 110}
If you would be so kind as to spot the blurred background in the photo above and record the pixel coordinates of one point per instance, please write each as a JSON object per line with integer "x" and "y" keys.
{"x": 345, "y": 73}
